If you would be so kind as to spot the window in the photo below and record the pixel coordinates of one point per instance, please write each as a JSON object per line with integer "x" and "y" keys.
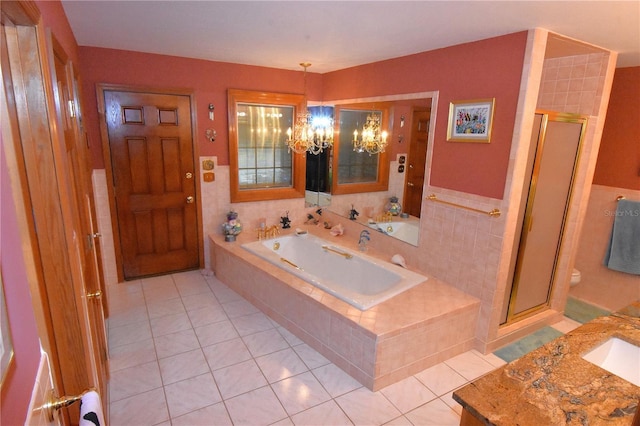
{"x": 261, "y": 166}
{"x": 358, "y": 171}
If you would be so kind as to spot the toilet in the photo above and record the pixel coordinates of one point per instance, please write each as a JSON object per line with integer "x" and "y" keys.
{"x": 575, "y": 277}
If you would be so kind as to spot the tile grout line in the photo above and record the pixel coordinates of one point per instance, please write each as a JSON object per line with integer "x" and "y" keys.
{"x": 210, "y": 285}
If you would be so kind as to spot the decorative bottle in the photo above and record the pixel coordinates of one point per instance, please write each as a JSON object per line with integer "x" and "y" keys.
{"x": 393, "y": 206}
{"x": 231, "y": 227}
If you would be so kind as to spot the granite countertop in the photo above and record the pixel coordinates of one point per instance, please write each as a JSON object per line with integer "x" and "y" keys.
{"x": 553, "y": 385}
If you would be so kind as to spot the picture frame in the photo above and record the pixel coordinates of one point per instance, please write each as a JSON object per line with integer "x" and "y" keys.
{"x": 471, "y": 120}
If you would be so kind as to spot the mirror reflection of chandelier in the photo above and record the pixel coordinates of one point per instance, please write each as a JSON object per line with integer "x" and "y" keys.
{"x": 309, "y": 135}
{"x": 372, "y": 139}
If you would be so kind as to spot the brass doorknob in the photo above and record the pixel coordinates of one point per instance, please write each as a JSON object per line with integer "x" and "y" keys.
{"x": 409, "y": 183}
{"x": 95, "y": 295}
{"x": 189, "y": 175}
{"x": 190, "y": 199}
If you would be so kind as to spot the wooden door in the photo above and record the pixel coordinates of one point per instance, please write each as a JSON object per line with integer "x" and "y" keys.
{"x": 77, "y": 173}
{"x": 40, "y": 159}
{"x": 152, "y": 164}
{"x": 416, "y": 162}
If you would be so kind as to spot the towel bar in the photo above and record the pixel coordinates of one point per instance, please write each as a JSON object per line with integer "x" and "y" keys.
{"x": 492, "y": 213}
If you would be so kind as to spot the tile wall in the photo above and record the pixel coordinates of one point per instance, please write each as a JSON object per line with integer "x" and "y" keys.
{"x": 573, "y": 84}
{"x": 42, "y": 392}
{"x": 103, "y": 213}
{"x": 599, "y": 285}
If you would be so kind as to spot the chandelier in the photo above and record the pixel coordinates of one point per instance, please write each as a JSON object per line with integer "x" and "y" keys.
{"x": 372, "y": 139}
{"x": 309, "y": 135}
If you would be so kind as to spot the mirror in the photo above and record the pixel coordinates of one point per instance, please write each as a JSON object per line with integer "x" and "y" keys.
{"x": 410, "y": 126}
{"x": 356, "y": 170}
{"x": 318, "y": 174}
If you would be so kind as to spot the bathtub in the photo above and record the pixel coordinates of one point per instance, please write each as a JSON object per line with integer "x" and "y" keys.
{"x": 395, "y": 339}
{"x": 351, "y": 276}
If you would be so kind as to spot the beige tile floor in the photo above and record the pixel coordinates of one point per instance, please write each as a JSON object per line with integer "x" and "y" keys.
{"x": 187, "y": 350}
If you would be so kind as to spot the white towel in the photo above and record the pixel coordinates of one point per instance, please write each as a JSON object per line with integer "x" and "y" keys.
{"x": 91, "y": 410}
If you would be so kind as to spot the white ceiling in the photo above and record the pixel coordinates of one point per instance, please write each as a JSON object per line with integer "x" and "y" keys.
{"x": 334, "y": 35}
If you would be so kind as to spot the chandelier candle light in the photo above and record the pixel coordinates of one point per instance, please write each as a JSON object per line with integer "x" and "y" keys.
{"x": 309, "y": 135}
{"x": 372, "y": 139}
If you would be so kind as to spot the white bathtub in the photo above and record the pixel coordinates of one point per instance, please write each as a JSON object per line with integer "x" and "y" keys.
{"x": 359, "y": 280}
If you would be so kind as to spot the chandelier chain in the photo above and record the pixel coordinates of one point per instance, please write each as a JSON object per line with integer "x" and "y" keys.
{"x": 307, "y": 136}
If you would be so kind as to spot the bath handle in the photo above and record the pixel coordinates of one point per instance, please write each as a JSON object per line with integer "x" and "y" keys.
{"x": 343, "y": 254}
{"x": 290, "y": 263}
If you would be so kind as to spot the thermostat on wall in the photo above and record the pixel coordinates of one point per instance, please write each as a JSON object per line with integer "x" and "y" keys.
{"x": 207, "y": 165}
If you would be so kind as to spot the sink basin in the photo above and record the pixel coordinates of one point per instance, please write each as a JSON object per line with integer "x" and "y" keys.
{"x": 619, "y": 357}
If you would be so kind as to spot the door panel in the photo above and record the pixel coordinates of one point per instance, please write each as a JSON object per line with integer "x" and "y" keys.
{"x": 416, "y": 162}
{"x": 151, "y": 149}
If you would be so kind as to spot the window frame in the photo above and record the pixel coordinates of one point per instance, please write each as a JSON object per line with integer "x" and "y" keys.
{"x": 297, "y": 188}
{"x": 382, "y": 181}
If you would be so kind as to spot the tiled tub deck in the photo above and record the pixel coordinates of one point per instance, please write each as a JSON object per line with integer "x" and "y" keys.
{"x": 380, "y": 346}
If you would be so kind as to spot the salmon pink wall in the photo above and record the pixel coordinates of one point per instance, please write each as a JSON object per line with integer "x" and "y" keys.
{"x": 54, "y": 18}
{"x": 619, "y": 156}
{"x": 482, "y": 69}
{"x": 489, "y": 68}
{"x": 208, "y": 80}
{"x": 17, "y": 386}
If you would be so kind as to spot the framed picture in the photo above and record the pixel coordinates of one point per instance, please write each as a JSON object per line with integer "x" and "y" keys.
{"x": 470, "y": 121}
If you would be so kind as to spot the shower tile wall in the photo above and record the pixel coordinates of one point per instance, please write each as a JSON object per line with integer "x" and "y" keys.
{"x": 573, "y": 83}
{"x": 577, "y": 84}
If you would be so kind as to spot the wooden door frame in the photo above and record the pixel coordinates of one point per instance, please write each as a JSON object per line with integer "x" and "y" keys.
{"x": 412, "y": 142}
{"x": 81, "y": 196}
{"x": 33, "y": 144}
{"x": 106, "y": 152}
